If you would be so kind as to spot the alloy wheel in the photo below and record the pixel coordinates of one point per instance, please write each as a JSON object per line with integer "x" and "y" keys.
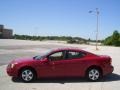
{"x": 27, "y": 75}
{"x": 94, "y": 74}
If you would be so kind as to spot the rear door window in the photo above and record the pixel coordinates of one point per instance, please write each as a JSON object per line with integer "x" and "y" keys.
{"x": 75, "y": 54}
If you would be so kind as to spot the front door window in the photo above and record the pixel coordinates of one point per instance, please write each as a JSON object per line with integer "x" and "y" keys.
{"x": 56, "y": 56}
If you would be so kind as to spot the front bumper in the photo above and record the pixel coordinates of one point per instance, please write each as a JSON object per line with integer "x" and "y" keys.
{"x": 11, "y": 71}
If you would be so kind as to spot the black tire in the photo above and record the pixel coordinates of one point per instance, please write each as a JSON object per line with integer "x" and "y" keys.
{"x": 27, "y": 75}
{"x": 93, "y": 74}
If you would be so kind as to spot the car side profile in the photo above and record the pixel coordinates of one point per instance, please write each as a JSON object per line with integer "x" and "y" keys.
{"x": 64, "y": 62}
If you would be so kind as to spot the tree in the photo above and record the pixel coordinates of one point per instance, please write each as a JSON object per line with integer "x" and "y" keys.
{"x": 108, "y": 40}
{"x": 69, "y": 39}
{"x": 114, "y": 39}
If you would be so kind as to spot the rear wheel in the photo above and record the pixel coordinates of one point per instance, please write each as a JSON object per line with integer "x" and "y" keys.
{"x": 94, "y": 74}
{"x": 27, "y": 75}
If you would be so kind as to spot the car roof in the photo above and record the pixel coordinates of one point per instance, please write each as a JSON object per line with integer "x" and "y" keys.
{"x": 73, "y": 49}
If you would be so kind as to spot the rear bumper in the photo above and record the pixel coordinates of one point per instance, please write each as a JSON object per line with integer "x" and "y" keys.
{"x": 108, "y": 70}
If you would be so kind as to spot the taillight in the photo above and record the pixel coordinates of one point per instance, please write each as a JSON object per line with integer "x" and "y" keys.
{"x": 109, "y": 61}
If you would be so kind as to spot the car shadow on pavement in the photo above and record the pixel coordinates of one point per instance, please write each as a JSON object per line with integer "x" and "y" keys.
{"x": 109, "y": 78}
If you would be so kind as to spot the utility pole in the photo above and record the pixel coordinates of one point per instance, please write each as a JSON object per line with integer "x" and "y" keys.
{"x": 97, "y": 31}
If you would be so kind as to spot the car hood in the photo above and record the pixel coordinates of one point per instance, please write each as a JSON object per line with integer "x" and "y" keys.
{"x": 19, "y": 60}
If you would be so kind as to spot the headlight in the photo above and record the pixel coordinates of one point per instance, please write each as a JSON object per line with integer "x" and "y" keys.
{"x": 13, "y": 64}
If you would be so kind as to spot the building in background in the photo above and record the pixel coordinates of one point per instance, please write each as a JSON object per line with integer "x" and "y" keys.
{"x": 5, "y": 33}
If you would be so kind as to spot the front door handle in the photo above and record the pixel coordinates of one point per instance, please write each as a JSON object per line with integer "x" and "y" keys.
{"x": 53, "y": 63}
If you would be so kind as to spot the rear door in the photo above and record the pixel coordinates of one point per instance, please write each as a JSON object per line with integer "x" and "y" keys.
{"x": 75, "y": 63}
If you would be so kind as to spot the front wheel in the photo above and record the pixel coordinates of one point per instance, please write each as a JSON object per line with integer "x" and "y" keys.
{"x": 94, "y": 74}
{"x": 27, "y": 75}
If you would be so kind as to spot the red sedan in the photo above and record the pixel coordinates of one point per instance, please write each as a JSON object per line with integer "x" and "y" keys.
{"x": 61, "y": 63}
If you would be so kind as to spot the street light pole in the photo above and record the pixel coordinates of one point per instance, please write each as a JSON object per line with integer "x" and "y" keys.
{"x": 97, "y": 12}
{"x": 97, "y": 15}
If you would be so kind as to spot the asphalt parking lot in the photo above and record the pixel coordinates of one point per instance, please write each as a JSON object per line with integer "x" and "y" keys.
{"x": 11, "y": 49}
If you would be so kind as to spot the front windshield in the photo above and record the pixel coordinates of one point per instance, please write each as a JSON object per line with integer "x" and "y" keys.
{"x": 42, "y": 55}
{"x": 37, "y": 57}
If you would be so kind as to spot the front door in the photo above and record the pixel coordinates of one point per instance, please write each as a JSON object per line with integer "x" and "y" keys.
{"x": 55, "y": 67}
